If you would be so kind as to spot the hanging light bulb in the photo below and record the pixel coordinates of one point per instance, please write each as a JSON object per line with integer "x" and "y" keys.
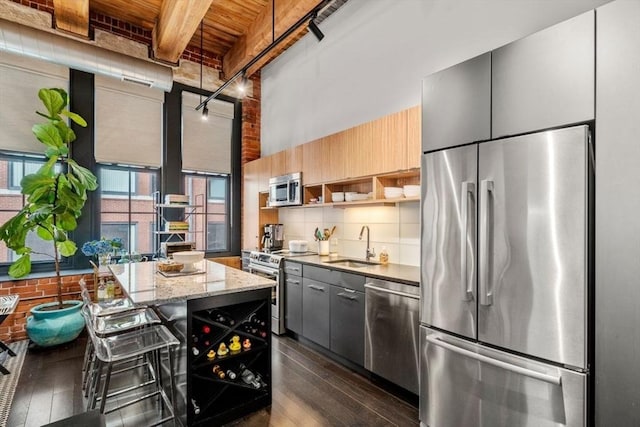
{"x": 205, "y": 112}
{"x": 243, "y": 86}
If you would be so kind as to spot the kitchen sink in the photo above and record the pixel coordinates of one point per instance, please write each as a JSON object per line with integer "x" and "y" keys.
{"x": 353, "y": 263}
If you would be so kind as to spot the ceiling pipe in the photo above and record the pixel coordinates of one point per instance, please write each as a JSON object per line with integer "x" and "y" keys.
{"x": 26, "y": 41}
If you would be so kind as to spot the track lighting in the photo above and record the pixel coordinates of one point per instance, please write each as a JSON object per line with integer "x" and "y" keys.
{"x": 205, "y": 112}
{"x": 242, "y": 85}
{"x": 315, "y": 29}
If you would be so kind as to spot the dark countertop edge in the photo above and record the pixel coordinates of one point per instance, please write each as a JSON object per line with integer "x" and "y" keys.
{"x": 361, "y": 271}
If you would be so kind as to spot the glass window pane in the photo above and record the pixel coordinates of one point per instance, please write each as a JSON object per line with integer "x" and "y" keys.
{"x": 12, "y": 170}
{"x": 129, "y": 215}
{"x": 212, "y": 219}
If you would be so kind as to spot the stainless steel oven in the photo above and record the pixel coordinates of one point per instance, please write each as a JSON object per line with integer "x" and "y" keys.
{"x": 269, "y": 266}
{"x": 286, "y": 190}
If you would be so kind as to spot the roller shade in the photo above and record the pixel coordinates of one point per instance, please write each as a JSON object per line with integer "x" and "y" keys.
{"x": 128, "y": 127}
{"x": 206, "y": 144}
{"x": 20, "y": 80}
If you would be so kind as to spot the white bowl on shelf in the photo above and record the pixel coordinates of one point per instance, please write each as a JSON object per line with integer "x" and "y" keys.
{"x": 411, "y": 190}
{"x": 348, "y": 197}
{"x": 359, "y": 196}
{"x": 188, "y": 258}
{"x": 337, "y": 197}
{"x": 393, "y": 192}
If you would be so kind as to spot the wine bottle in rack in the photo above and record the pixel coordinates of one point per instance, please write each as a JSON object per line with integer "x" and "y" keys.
{"x": 196, "y": 407}
{"x": 232, "y": 375}
{"x": 248, "y": 377}
{"x": 195, "y": 350}
{"x": 253, "y": 318}
{"x": 222, "y": 317}
{"x": 218, "y": 371}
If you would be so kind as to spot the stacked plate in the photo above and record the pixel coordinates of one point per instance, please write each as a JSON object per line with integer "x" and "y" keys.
{"x": 354, "y": 196}
{"x": 393, "y": 192}
{"x": 337, "y": 196}
{"x": 411, "y": 190}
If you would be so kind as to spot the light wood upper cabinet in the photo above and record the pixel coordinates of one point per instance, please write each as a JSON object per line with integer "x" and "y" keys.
{"x": 312, "y": 162}
{"x": 333, "y": 162}
{"x": 378, "y": 146}
{"x": 414, "y": 137}
{"x": 293, "y": 159}
{"x": 263, "y": 170}
{"x": 278, "y": 163}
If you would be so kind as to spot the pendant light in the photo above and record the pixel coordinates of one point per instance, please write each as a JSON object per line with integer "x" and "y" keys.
{"x": 205, "y": 110}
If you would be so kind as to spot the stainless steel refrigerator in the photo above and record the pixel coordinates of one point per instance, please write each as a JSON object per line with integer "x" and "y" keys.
{"x": 504, "y": 281}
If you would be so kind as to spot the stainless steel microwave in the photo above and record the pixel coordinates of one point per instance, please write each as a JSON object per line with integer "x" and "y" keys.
{"x": 286, "y": 190}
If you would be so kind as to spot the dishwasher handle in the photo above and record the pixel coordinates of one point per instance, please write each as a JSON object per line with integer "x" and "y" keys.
{"x": 391, "y": 291}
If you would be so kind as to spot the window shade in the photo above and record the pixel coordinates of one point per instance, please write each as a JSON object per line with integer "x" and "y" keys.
{"x": 128, "y": 128}
{"x": 206, "y": 144}
{"x": 20, "y": 79}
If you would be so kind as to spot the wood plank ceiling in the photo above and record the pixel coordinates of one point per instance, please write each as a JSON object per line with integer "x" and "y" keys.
{"x": 236, "y": 30}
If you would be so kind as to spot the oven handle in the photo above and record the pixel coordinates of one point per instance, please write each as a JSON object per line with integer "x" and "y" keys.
{"x": 263, "y": 270}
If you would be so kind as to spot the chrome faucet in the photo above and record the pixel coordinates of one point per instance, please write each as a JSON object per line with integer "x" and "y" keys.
{"x": 371, "y": 253}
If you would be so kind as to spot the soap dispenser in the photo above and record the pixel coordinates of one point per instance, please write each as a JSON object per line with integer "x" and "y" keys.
{"x": 384, "y": 256}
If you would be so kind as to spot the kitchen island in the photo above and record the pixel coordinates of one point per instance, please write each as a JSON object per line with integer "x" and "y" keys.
{"x": 211, "y": 312}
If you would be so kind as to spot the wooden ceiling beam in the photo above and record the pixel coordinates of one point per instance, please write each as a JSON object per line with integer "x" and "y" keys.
{"x": 72, "y": 16}
{"x": 177, "y": 22}
{"x": 260, "y": 35}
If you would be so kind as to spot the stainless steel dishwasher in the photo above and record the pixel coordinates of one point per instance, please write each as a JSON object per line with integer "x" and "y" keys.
{"x": 391, "y": 341}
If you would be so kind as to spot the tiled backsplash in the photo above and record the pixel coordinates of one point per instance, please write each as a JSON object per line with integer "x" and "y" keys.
{"x": 395, "y": 227}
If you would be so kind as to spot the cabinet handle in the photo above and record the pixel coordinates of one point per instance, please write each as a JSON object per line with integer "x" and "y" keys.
{"x": 345, "y": 296}
{"x": 317, "y": 288}
{"x": 297, "y": 282}
{"x": 295, "y": 270}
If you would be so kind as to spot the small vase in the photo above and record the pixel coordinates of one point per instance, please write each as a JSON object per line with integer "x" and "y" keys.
{"x": 104, "y": 260}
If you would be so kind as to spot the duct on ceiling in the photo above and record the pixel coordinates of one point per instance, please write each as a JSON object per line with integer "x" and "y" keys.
{"x": 23, "y": 40}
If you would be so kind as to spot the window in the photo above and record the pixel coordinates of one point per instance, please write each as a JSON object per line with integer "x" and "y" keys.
{"x": 11, "y": 201}
{"x": 212, "y": 218}
{"x": 116, "y": 181}
{"x": 127, "y": 206}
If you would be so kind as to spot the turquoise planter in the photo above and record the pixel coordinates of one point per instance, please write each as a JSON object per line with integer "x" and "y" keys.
{"x": 49, "y": 328}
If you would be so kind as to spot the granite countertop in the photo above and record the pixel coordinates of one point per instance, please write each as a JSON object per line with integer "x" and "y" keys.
{"x": 395, "y": 272}
{"x": 145, "y": 285}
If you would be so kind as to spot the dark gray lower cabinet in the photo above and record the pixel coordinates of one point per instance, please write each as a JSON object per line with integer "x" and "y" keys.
{"x": 316, "y": 303}
{"x": 293, "y": 303}
{"x": 347, "y": 324}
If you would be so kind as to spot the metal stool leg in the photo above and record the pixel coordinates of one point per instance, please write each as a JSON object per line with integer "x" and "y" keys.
{"x": 3, "y": 346}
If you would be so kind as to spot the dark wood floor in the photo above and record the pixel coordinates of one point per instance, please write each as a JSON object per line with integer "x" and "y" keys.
{"x": 308, "y": 390}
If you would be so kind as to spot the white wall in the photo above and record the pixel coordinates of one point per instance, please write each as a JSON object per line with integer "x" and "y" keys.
{"x": 395, "y": 227}
{"x": 375, "y": 53}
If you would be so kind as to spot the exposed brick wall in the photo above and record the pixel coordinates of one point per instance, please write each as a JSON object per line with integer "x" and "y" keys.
{"x": 33, "y": 292}
{"x": 42, "y": 5}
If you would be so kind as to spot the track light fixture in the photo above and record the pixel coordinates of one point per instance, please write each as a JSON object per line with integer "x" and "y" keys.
{"x": 205, "y": 112}
{"x": 315, "y": 29}
{"x": 242, "y": 85}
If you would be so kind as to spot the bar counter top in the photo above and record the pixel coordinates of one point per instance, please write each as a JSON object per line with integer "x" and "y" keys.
{"x": 142, "y": 282}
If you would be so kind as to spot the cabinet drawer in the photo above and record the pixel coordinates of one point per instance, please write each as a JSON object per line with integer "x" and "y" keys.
{"x": 317, "y": 273}
{"x": 347, "y": 280}
{"x": 347, "y": 324}
{"x": 293, "y": 268}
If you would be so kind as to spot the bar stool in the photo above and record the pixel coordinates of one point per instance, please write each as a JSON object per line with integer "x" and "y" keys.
{"x": 150, "y": 343}
{"x": 8, "y": 303}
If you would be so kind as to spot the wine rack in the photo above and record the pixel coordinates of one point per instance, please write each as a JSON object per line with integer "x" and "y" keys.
{"x": 227, "y": 382}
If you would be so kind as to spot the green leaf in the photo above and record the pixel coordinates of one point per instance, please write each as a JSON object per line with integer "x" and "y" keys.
{"x": 77, "y": 118}
{"x": 66, "y": 133}
{"x": 47, "y": 168}
{"x": 63, "y": 94}
{"x": 66, "y": 221}
{"x": 60, "y": 235}
{"x": 66, "y": 248}
{"x": 84, "y": 175}
{"x": 53, "y": 100}
{"x": 48, "y": 134}
{"x": 21, "y": 267}
{"x": 41, "y": 215}
{"x": 51, "y": 152}
{"x": 34, "y": 181}
{"x": 70, "y": 199}
{"x": 44, "y": 233}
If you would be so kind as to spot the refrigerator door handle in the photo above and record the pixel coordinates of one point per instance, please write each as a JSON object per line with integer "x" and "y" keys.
{"x": 466, "y": 194}
{"x": 552, "y": 379}
{"x": 486, "y": 188}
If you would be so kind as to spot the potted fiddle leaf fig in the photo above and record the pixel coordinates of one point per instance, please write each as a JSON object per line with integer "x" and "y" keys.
{"x": 55, "y": 195}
